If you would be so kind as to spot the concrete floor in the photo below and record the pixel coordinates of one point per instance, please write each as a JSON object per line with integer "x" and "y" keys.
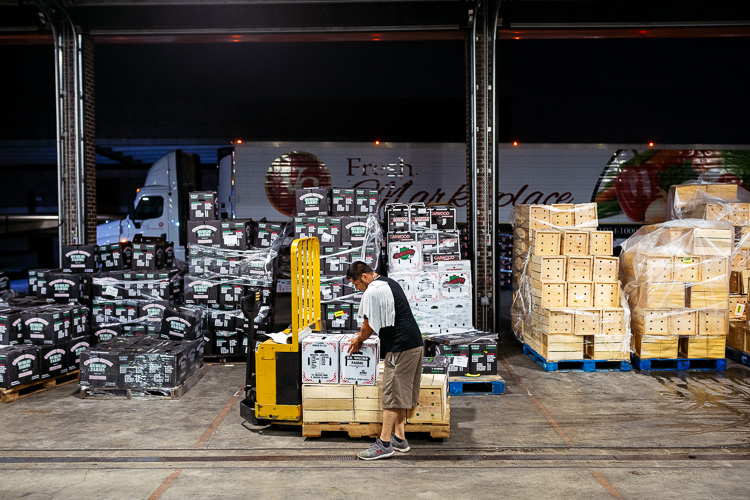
{"x": 571, "y": 435}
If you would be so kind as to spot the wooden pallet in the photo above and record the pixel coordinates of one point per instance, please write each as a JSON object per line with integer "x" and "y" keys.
{"x": 577, "y": 365}
{"x": 477, "y": 386}
{"x": 144, "y": 393}
{"x": 738, "y": 356}
{"x": 21, "y": 391}
{"x": 439, "y": 430}
{"x": 676, "y": 364}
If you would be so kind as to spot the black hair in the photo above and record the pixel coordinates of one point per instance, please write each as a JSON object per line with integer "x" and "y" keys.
{"x": 357, "y": 269}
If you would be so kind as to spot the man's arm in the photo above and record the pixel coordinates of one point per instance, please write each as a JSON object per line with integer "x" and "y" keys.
{"x": 364, "y": 333}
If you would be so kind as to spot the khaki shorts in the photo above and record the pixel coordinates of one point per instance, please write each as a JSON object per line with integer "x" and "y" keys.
{"x": 401, "y": 379}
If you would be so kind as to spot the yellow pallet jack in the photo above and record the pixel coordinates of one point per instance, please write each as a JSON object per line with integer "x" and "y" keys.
{"x": 273, "y": 389}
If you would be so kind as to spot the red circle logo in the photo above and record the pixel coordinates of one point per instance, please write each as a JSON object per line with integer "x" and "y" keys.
{"x": 290, "y": 172}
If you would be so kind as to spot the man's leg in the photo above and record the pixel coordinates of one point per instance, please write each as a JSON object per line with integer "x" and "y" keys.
{"x": 390, "y": 420}
{"x": 400, "y": 421}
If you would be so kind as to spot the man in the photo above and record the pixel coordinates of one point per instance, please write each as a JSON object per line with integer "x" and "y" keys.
{"x": 386, "y": 312}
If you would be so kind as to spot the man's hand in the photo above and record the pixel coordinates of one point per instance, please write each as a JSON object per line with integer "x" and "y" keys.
{"x": 356, "y": 345}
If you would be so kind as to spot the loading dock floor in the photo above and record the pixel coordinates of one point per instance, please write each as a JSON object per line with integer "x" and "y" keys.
{"x": 568, "y": 435}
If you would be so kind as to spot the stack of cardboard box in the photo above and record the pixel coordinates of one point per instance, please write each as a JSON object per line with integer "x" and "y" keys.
{"x": 677, "y": 281}
{"x": 567, "y": 299}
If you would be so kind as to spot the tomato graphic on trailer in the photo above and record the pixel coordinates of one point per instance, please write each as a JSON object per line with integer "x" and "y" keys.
{"x": 636, "y": 183}
{"x": 290, "y": 172}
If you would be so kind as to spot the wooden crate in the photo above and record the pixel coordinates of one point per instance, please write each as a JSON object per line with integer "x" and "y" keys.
{"x": 433, "y": 400}
{"x": 600, "y": 243}
{"x": 713, "y": 322}
{"x": 560, "y": 347}
{"x": 613, "y": 321}
{"x": 548, "y": 268}
{"x": 545, "y": 243}
{"x": 741, "y": 260}
{"x": 655, "y": 346}
{"x": 655, "y": 268}
{"x": 606, "y": 294}
{"x": 606, "y": 268}
{"x": 722, "y": 191}
{"x": 683, "y": 322}
{"x": 580, "y": 294}
{"x": 715, "y": 269}
{"x": 368, "y": 403}
{"x": 553, "y": 321}
{"x": 738, "y": 336}
{"x": 561, "y": 215}
{"x": 586, "y": 215}
{"x": 587, "y": 322}
{"x": 708, "y": 295}
{"x": 687, "y": 268}
{"x": 327, "y": 403}
{"x": 549, "y": 294}
{"x": 736, "y": 213}
{"x": 703, "y": 347}
{"x": 579, "y": 268}
{"x": 718, "y": 242}
{"x": 735, "y": 312}
{"x": 575, "y": 243}
{"x": 607, "y": 347}
{"x": 661, "y": 295}
{"x": 650, "y": 321}
{"x": 532, "y": 216}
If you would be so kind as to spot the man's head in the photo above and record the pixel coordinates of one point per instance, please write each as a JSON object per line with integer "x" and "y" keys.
{"x": 360, "y": 275}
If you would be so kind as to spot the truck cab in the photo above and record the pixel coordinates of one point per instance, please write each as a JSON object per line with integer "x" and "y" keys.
{"x": 161, "y": 205}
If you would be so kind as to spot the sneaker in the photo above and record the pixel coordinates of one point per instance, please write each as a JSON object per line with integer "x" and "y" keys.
{"x": 403, "y": 446}
{"x": 376, "y": 451}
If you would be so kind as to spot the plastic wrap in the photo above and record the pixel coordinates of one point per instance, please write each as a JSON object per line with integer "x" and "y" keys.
{"x": 676, "y": 278}
{"x": 568, "y": 301}
{"x": 710, "y": 201}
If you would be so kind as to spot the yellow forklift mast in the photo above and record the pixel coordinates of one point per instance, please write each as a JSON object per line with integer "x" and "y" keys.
{"x": 273, "y": 391}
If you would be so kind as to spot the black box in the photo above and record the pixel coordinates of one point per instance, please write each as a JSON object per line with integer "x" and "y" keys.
{"x": 366, "y": 202}
{"x": 115, "y": 256}
{"x": 45, "y": 326}
{"x": 444, "y": 257}
{"x": 313, "y": 201}
{"x": 402, "y": 237}
{"x": 267, "y": 234}
{"x": 483, "y": 358}
{"x": 419, "y": 217}
{"x": 147, "y": 256}
{"x": 204, "y": 232}
{"x": 229, "y": 294}
{"x": 200, "y": 291}
{"x": 436, "y": 365}
{"x": 429, "y": 240}
{"x": 126, "y": 311}
{"x": 32, "y": 282}
{"x": 353, "y": 231}
{"x": 99, "y": 368}
{"x": 218, "y": 320}
{"x": 68, "y": 287}
{"x": 11, "y": 327}
{"x": 459, "y": 356}
{"x": 19, "y": 364}
{"x": 448, "y": 242}
{"x": 443, "y": 216}
{"x": 79, "y": 259}
{"x": 397, "y": 217}
{"x": 237, "y": 234}
{"x": 227, "y": 343}
{"x": 342, "y": 201}
{"x": 203, "y": 205}
{"x": 338, "y": 316}
{"x": 108, "y": 331}
{"x": 181, "y": 325}
{"x": 80, "y": 321}
{"x": 332, "y": 264}
{"x": 328, "y": 231}
{"x": 75, "y": 347}
{"x": 357, "y": 321}
{"x": 53, "y": 360}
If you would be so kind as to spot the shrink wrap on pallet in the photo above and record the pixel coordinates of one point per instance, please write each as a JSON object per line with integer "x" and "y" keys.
{"x": 676, "y": 277}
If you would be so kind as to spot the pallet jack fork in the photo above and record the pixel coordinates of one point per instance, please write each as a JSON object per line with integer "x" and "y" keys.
{"x": 273, "y": 388}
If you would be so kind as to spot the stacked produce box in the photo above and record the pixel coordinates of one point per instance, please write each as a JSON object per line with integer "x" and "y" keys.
{"x": 677, "y": 282}
{"x": 344, "y": 221}
{"x": 728, "y": 203}
{"x": 567, "y": 301}
{"x": 227, "y": 258}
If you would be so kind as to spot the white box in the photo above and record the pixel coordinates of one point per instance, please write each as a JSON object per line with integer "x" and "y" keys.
{"x": 360, "y": 368}
{"x": 455, "y": 266}
{"x": 320, "y": 359}
{"x": 426, "y": 287}
{"x": 457, "y": 312}
{"x": 455, "y": 285}
{"x": 406, "y": 281}
{"x": 405, "y": 257}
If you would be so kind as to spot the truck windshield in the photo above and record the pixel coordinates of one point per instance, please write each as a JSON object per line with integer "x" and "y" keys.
{"x": 149, "y": 207}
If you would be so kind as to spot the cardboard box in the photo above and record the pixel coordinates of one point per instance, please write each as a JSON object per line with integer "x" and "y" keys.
{"x": 180, "y": 325}
{"x": 202, "y": 232}
{"x": 454, "y": 284}
{"x": 227, "y": 343}
{"x": 45, "y": 326}
{"x": 313, "y": 201}
{"x": 436, "y": 365}
{"x": 99, "y": 368}
{"x": 402, "y": 237}
{"x": 53, "y": 360}
{"x": 419, "y": 217}
{"x": 359, "y": 368}
{"x": 483, "y": 358}
{"x": 443, "y": 216}
{"x": 11, "y": 327}
{"x": 19, "y": 364}
{"x": 406, "y": 282}
{"x": 405, "y": 257}
{"x": 429, "y": 240}
{"x": 267, "y": 234}
{"x": 203, "y": 206}
{"x": 342, "y": 202}
{"x": 79, "y": 259}
{"x": 237, "y": 234}
{"x": 397, "y": 217}
{"x": 338, "y": 316}
{"x": 353, "y": 231}
{"x": 426, "y": 287}
{"x": 74, "y": 348}
{"x": 200, "y": 291}
{"x": 328, "y": 231}
{"x": 102, "y": 333}
{"x": 116, "y": 256}
{"x": 320, "y": 359}
{"x": 64, "y": 288}
{"x": 448, "y": 242}
{"x": 357, "y": 320}
{"x": 366, "y": 202}
{"x": 459, "y": 356}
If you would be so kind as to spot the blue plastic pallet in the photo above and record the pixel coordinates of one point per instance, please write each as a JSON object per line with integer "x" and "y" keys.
{"x": 577, "y": 365}
{"x": 738, "y": 356}
{"x": 481, "y": 386}
{"x": 705, "y": 365}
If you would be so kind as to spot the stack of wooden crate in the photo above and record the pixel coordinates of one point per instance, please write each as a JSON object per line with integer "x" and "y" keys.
{"x": 678, "y": 288}
{"x": 567, "y": 304}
